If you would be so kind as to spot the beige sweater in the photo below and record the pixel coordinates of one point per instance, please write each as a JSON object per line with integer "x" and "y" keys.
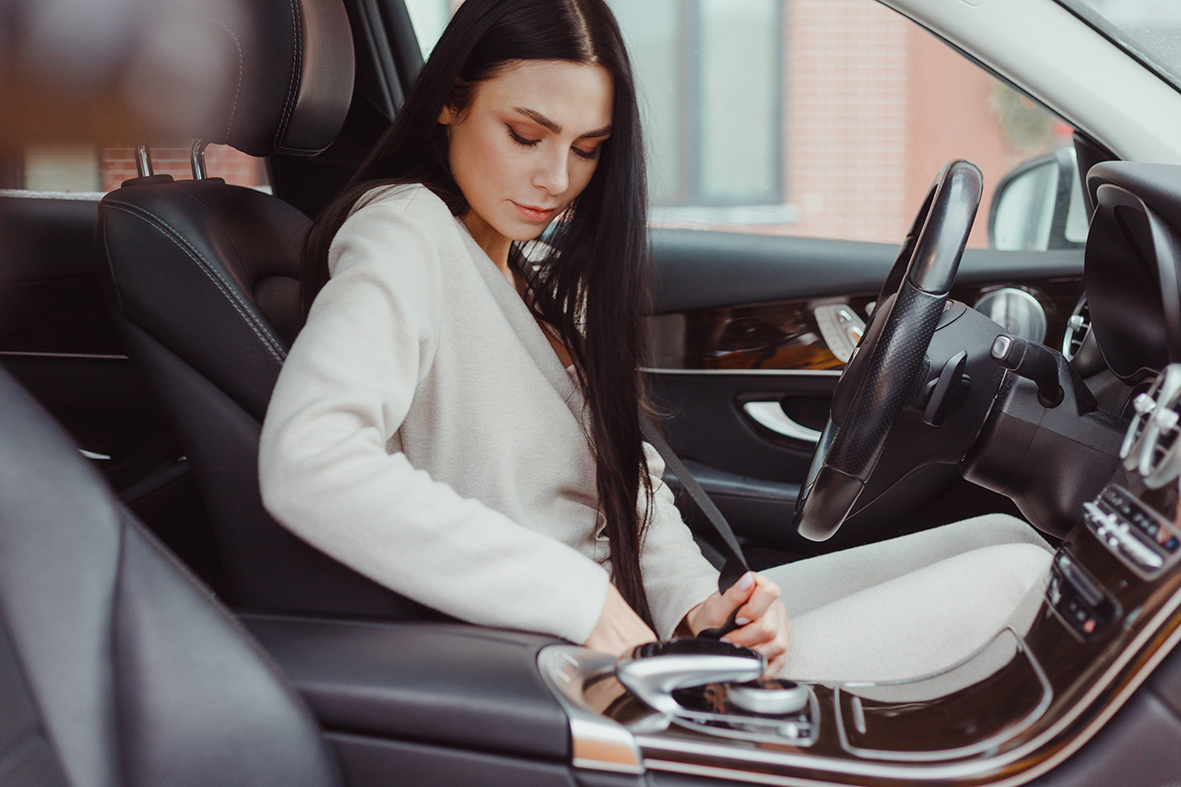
{"x": 424, "y": 432}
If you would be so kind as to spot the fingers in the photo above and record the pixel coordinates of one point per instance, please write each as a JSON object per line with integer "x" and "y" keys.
{"x": 765, "y": 594}
{"x": 770, "y": 635}
{"x": 735, "y": 596}
{"x": 773, "y": 667}
{"x": 716, "y": 609}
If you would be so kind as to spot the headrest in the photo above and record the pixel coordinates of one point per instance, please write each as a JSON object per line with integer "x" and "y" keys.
{"x": 291, "y": 68}
{"x": 265, "y": 76}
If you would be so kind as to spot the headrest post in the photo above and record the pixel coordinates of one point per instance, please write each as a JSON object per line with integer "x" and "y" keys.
{"x": 143, "y": 161}
{"x": 198, "y": 159}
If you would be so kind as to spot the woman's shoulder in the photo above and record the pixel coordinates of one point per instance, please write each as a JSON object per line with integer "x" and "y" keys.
{"x": 412, "y": 199}
{"x": 390, "y": 222}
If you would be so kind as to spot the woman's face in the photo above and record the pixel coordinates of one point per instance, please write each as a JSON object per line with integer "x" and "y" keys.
{"x": 527, "y": 146}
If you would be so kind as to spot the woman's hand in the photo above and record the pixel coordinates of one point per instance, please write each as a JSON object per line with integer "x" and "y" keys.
{"x": 619, "y": 629}
{"x": 762, "y": 618}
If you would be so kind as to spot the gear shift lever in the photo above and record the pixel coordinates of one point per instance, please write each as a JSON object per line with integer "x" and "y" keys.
{"x": 654, "y": 671}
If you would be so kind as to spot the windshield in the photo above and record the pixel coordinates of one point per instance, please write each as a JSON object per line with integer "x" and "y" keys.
{"x": 1148, "y": 29}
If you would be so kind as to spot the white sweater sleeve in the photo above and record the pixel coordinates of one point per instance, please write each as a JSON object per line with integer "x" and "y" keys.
{"x": 677, "y": 577}
{"x": 325, "y": 472}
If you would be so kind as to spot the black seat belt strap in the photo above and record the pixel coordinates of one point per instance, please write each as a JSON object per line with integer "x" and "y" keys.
{"x": 735, "y": 565}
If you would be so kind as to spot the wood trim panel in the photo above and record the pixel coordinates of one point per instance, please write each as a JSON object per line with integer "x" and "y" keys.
{"x": 785, "y": 334}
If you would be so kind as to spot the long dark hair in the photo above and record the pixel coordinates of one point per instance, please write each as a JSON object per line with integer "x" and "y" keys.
{"x": 591, "y": 285}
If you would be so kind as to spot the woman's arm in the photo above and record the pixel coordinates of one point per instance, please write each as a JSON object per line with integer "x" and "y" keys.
{"x": 325, "y": 472}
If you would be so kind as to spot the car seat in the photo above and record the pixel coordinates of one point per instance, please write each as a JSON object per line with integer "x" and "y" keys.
{"x": 116, "y": 666}
{"x": 203, "y": 280}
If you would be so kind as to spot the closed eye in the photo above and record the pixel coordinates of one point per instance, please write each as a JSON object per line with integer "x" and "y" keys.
{"x": 522, "y": 141}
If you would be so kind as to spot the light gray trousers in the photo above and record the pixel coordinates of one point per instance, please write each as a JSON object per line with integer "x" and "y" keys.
{"x": 913, "y": 605}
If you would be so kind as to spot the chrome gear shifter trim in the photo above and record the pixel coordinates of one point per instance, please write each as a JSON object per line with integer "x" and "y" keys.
{"x": 597, "y": 743}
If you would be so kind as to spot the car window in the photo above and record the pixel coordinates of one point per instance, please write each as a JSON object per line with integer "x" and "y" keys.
{"x": 89, "y": 169}
{"x": 822, "y": 118}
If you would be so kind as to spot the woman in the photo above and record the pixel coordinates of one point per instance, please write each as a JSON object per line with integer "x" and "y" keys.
{"x": 461, "y": 424}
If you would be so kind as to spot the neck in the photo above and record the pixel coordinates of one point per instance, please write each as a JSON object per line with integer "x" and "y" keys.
{"x": 495, "y": 245}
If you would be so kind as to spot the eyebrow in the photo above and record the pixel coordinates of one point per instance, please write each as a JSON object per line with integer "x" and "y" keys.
{"x": 551, "y": 126}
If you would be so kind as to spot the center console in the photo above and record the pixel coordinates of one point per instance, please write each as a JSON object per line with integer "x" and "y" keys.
{"x": 1104, "y": 618}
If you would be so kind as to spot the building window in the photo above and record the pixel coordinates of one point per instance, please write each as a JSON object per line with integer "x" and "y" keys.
{"x": 708, "y": 74}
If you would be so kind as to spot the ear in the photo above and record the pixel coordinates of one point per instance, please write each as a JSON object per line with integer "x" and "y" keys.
{"x": 447, "y": 116}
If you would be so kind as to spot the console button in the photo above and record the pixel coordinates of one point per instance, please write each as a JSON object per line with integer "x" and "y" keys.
{"x": 1117, "y": 533}
{"x": 1079, "y": 600}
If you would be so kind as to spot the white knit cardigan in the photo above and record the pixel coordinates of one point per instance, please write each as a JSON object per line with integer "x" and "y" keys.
{"x": 424, "y": 432}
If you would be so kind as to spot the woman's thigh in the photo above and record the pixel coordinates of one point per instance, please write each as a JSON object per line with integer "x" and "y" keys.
{"x": 920, "y": 622}
{"x": 813, "y": 583}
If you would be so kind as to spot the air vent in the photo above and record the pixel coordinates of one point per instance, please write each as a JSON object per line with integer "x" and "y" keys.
{"x": 1152, "y": 446}
{"x": 1077, "y": 328}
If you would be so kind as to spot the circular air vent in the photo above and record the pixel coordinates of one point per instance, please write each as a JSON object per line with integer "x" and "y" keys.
{"x": 1017, "y": 311}
{"x": 1077, "y": 328}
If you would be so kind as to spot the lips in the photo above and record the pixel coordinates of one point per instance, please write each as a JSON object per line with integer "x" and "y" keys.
{"x": 535, "y": 214}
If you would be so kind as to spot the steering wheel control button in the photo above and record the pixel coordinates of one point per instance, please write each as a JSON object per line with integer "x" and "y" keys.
{"x": 841, "y": 329}
{"x": 1079, "y": 601}
{"x": 1139, "y": 536}
{"x": 768, "y": 697}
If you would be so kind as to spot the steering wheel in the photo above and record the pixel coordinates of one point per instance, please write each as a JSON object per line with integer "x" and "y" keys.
{"x": 889, "y": 367}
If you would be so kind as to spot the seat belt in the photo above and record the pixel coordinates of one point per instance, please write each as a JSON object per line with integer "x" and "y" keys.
{"x": 735, "y": 565}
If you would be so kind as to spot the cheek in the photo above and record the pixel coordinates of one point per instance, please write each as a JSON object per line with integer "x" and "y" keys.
{"x": 581, "y": 173}
{"x": 482, "y": 161}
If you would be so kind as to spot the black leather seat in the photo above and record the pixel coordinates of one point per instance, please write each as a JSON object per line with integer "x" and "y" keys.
{"x": 116, "y": 667}
{"x": 204, "y": 280}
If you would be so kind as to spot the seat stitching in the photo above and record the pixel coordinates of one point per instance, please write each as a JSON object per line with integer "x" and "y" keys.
{"x": 296, "y": 62}
{"x": 111, "y": 265}
{"x": 238, "y": 87}
{"x": 227, "y": 290}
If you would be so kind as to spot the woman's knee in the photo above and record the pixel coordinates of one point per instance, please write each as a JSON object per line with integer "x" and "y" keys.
{"x": 997, "y": 529}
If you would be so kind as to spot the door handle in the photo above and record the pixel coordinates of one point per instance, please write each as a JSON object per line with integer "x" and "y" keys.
{"x": 771, "y": 416}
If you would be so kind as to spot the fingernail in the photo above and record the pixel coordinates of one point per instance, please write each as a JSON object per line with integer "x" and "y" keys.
{"x": 742, "y": 621}
{"x": 748, "y": 579}
{"x": 727, "y": 640}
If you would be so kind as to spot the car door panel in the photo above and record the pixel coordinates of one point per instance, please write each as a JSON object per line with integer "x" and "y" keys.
{"x": 736, "y": 323}
{"x": 698, "y": 269}
{"x": 57, "y": 339}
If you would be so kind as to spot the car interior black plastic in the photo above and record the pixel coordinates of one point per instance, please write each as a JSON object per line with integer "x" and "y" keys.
{"x": 446, "y": 685}
{"x": 1131, "y": 269}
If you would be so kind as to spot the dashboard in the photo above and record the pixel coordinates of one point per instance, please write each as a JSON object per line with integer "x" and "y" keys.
{"x": 1131, "y": 270}
{"x": 1110, "y": 611}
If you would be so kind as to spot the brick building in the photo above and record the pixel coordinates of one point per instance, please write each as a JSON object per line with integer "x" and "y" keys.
{"x": 803, "y": 117}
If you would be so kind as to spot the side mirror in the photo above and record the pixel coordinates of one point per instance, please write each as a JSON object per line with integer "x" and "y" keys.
{"x": 1039, "y": 205}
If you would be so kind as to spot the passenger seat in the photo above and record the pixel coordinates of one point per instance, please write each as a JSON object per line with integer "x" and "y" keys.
{"x": 116, "y": 666}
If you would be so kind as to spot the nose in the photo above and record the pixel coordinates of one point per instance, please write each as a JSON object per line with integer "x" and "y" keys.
{"x": 553, "y": 171}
